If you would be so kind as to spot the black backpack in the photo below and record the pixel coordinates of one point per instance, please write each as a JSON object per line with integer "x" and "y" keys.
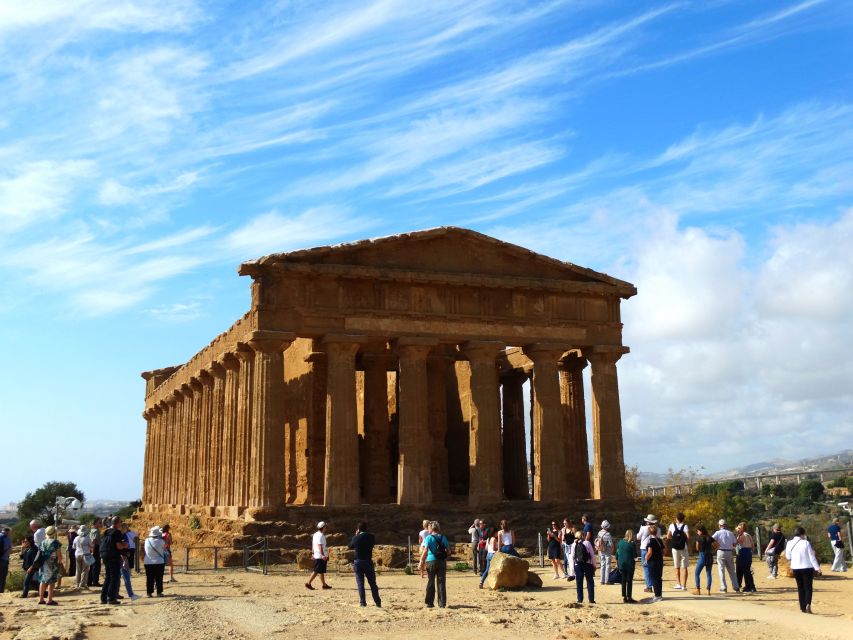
{"x": 679, "y": 540}
{"x": 440, "y": 552}
{"x": 581, "y": 552}
{"x": 107, "y": 547}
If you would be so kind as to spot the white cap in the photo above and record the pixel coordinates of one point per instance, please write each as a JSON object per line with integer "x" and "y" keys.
{"x": 722, "y": 523}
{"x": 321, "y": 524}
{"x": 155, "y": 532}
{"x": 35, "y": 523}
{"x": 605, "y": 525}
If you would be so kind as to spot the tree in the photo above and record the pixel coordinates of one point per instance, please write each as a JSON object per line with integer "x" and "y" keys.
{"x": 37, "y": 504}
{"x": 811, "y": 489}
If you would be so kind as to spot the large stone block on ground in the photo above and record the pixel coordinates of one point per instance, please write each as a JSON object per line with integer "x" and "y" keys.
{"x": 391, "y": 556}
{"x": 507, "y": 572}
{"x": 534, "y": 579}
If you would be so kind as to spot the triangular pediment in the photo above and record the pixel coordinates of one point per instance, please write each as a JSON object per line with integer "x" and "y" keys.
{"x": 445, "y": 249}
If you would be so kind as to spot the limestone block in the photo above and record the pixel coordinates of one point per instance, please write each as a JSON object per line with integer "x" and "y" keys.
{"x": 304, "y": 560}
{"x": 534, "y": 579}
{"x": 507, "y": 572}
{"x": 390, "y": 556}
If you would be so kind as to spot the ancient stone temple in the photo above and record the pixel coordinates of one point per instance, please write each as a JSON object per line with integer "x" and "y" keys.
{"x": 392, "y": 371}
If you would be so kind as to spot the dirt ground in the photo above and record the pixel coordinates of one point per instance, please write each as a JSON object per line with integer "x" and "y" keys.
{"x": 248, "y": 606}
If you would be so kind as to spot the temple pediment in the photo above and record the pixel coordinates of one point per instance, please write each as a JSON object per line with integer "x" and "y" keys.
{"x": 450, "y": 250}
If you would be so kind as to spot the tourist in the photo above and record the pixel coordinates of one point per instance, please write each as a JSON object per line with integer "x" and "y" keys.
{"x": 490, "y": 537}
{"x": 654, "y": 560}
{"x": 626, "y": 553}
{"x": 5, "y": 552}
{"x": 95, "y": 569}
{"x": 678, "y": 536}
{"x": 567, "y": 535}
{"x": 320, "y": 553}
{"x": 38, "y": 532}
{"x": 434, "y": 557}
{"x": 726, "y": 542}
{"x": 131, "y": 536}
{"x": 604, "y": 546}
{"x": 50, "y": 553}
{"x": 804, "y": 564}
{"x": 775, "y": 547}
{"x": 71, "y": 535}
{"x": 424, "y": 532}
{"x": 166, "y": 530}
{"x": 126, "y": 555}
{"x": 363, "y": 543}
{"x": 112, "y": 544}
{"x": 476, "y": 533}
{"x": 583, "y": 557}
{"x": 555, "y": 551}
{"x": 154, "y": 560}
{"x": 704, "y": 546}
{"x": 83, "y": 557}
{"x": 28, "y": 556}
{"x": 586, "y": 528}
{"x": 836, "y": 540}
{"x": 506, "y": 537}
{"x": 643, "y": 537}
{"x": 746, "y": 547}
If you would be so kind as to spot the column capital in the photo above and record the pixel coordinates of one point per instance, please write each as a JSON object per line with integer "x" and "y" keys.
{"x": 573, "y": 361}
{"x": 217, "y": 370}
{"x": 185, "y": 391}
{"x": 268, "y": 341}
{"x": 342, "y": 343}
{"x": 414, "y": 348}
{"x": 172, "y": 400}
{"x": 244, "y": 352}
{"x": 519, "y": 375}
{"x": 205, "y": 378}
{"x": 195, "y": 384}
{"x": 482, "y": 349}
{"x": 164, "y": 405}
{"x": 378, "y": 359}
{"x": 229, "y": 361}
{"x": 148, "y": 414}
{"x": 605, "y": 354}
{"x": 541, "y": 352}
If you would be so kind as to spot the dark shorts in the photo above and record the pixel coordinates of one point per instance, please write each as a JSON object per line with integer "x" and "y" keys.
{"x": 320, "y": 566}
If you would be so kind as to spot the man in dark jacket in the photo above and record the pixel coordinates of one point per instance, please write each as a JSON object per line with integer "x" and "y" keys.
{"x": 112, "y": 545}
{"x": 28, "y": 555}
{"x": 363, "y": 543}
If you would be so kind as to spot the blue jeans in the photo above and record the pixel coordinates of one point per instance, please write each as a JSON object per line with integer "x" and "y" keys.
{"x": 364, "y": 569}
{"x": 646, "y": 575}
{"x": 703, "y": 562}
{"x": 656, "y": 573}
{"x": 510, "y": 550}
{"x": 489, "y": 557}
{"x": 125, "y": 575}
{"x": 585, "y": 570}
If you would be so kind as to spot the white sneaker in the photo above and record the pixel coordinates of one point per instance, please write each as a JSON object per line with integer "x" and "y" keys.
{"x": 771, "y": 577}
{"x": 677, "y": 587}
{"x": 135, "y": 597}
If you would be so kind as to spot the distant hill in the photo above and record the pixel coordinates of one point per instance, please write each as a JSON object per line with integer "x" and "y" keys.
{"x": 805, "y": 465}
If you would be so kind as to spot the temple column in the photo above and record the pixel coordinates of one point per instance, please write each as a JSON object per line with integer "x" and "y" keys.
{"x": 267, "y": 447}
{"x": 377, "y": 428}
{"x": 514, "y": 446}
{"x": 574, "y": 426}
{"x": 243, "y": 442}
{"x": 437, "y": 366}
{"x": 485, "y": 459}
{"x": 341, "y": 478}
{"x": 217, "y": 435}
{"x": 229, "y": 426}
{"x": 162, "y": 462}
{"x": 194, "y": 453}
{"x": 158, "y": 454}
{"x": 608, "y": 480}
{"x": 549, "y": 482}
{"x": 414, "y": 485}
{"x": 149, "y": 416}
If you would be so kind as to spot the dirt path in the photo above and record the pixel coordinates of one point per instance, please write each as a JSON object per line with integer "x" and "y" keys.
{"x": 242, "y": 606}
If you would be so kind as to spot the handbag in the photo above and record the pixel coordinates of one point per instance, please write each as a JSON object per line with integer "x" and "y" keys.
{"x": 839, "y": 544}
{"x": 89, "y": 559}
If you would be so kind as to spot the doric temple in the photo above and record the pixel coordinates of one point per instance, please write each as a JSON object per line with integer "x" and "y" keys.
{"x": 392, "y": 371}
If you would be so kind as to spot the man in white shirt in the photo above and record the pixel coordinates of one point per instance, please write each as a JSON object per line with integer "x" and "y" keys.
{"x": 643, "y": 537}
{"x": 726, "y": 542}
{"x": 320, "y": 553}
{"x": 38, "y": 532}
{"x": 678, "y": 535}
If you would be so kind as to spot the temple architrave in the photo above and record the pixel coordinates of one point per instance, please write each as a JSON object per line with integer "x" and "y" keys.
{"x": 392, "y": 371}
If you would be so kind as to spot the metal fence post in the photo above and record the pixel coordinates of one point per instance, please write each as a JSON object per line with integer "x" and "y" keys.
{"x": 266, "y": 554}
{"x": 245, "y": 558}
{"x": 215, "y": 558}
{"x": 187, "y": 560}
{"x": 539, "y": 547}
{"x": 758, "y": 541}
{"x": 409, "y": 538}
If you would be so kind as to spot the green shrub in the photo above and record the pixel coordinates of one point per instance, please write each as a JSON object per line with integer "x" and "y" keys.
{"x": 15, "y": 581}
{"x": 194, "y": 523}
{"x": 461, "y": 566}
{"x": 408, "y": 570}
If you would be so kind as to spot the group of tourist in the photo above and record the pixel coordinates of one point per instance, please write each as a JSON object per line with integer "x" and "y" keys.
{"x": 89, "y": 550}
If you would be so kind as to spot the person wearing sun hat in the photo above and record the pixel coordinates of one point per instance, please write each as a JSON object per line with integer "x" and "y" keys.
{"x": 643, "y": 538}
{"x": 154, "y": 561}
{"x": 51, "y": 569}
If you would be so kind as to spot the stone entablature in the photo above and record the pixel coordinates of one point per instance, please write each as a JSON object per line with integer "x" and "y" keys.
{"x": 391, "y": 370}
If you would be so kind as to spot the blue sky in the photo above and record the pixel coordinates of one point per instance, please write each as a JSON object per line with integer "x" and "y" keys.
{"x": 702, "y": 150}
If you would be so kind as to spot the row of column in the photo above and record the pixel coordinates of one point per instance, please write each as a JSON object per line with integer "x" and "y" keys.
{"x": 218, "y": 440}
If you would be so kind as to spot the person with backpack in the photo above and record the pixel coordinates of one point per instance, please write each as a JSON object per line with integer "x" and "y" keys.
{"x": 704, "y": 545}
{"x": 583, "y": 557}
{"x": 154, "y": 561}
{"x": 434, "y": 558}
{"x": 112, "y": 544}
{"x": 678, "y": 535}
{"x": 775, "y": 547}
{"x": 604, "y": 546}
{"x": 654, "y": 560}
{"x": 626, "y": 552}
